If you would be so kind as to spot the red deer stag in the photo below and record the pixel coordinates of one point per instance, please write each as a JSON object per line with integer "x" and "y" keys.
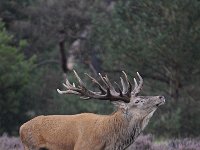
{"x": 89, "y": 131}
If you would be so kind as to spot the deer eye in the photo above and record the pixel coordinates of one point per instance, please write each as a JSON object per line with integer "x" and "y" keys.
{"x": 137, "y": 101}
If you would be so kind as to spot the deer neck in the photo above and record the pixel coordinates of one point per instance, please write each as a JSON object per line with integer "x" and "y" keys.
{"x": 125, "y": 128}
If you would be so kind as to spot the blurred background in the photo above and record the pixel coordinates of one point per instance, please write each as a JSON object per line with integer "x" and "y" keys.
{"x": 41, "y": 40}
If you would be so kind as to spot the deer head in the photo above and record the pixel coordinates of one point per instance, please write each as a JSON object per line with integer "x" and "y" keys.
{"x": 126, "y": 98}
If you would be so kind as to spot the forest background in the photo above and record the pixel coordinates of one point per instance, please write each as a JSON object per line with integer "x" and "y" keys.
{"x": 40, "y": 40}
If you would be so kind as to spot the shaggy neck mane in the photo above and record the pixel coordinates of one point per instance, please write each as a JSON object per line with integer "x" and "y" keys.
{"x": 124, "y": 128}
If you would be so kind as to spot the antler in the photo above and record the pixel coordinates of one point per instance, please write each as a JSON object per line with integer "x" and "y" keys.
{"x": 107, "y": 91}
{"x": 137, "y": 88}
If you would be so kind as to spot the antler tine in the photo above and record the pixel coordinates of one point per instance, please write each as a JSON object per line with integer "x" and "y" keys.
{"x": 67, "y": 83}
{"x": 61, "y": 92}
{"x": 118, "y": 87}
{"x": 101, "y": 88}
{"x": 140, "y": 82}
{"x": 136, "y": 84}
{"x": 102, "y": 78}
{"x": 73, "y": 85}
{"x": 68, "y": 92}
{"x": 129, "y": 88}
{"x": 109, "y": 84}
{"x": 137, "y": 88}
{"x": 72, "y": 89}
{"x": 79, "y": 79}
{"x": 124, "y": 89}
{"x": 109, "y": 88}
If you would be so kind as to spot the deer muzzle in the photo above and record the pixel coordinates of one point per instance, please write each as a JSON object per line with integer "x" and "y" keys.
{"x": 161, "y": 101}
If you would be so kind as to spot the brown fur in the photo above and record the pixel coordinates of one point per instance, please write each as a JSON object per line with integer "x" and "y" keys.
{"x": 81, "y": 132}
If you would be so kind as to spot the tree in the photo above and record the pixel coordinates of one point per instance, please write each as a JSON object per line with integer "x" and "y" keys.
{"x": 40, "y": 27}
{"x": 160, "y": 40}
{"x": 14, "y": 79}
{"x": 11, "y": 11}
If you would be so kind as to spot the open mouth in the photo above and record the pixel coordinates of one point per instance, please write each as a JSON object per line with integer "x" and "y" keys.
{"x": 161, "y": 103}
{"x": 158, "y": 104}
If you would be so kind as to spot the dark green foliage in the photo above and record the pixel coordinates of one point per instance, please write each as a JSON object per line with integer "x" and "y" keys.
{"x": 14, "y": 79}
{"x": 160, "y": 39}
{"x": 11, "y": 10}
{"x": 39, "y": 24}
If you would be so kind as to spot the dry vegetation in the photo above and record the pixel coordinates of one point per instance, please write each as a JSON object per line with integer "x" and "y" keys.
{"x": 144, "y": 142}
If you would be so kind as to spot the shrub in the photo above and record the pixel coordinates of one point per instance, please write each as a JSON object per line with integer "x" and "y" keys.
{"x": 143, "y": 142}
{"x": 184, "y": 144}
{"x": 10, "y": 143}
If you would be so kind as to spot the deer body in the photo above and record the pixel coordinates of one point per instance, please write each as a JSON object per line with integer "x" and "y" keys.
{"x": 89, "y": 131}
{"x": 83, "y": 131}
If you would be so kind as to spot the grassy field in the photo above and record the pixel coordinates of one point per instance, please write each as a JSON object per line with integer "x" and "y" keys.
{"x": 144, "y": 142}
